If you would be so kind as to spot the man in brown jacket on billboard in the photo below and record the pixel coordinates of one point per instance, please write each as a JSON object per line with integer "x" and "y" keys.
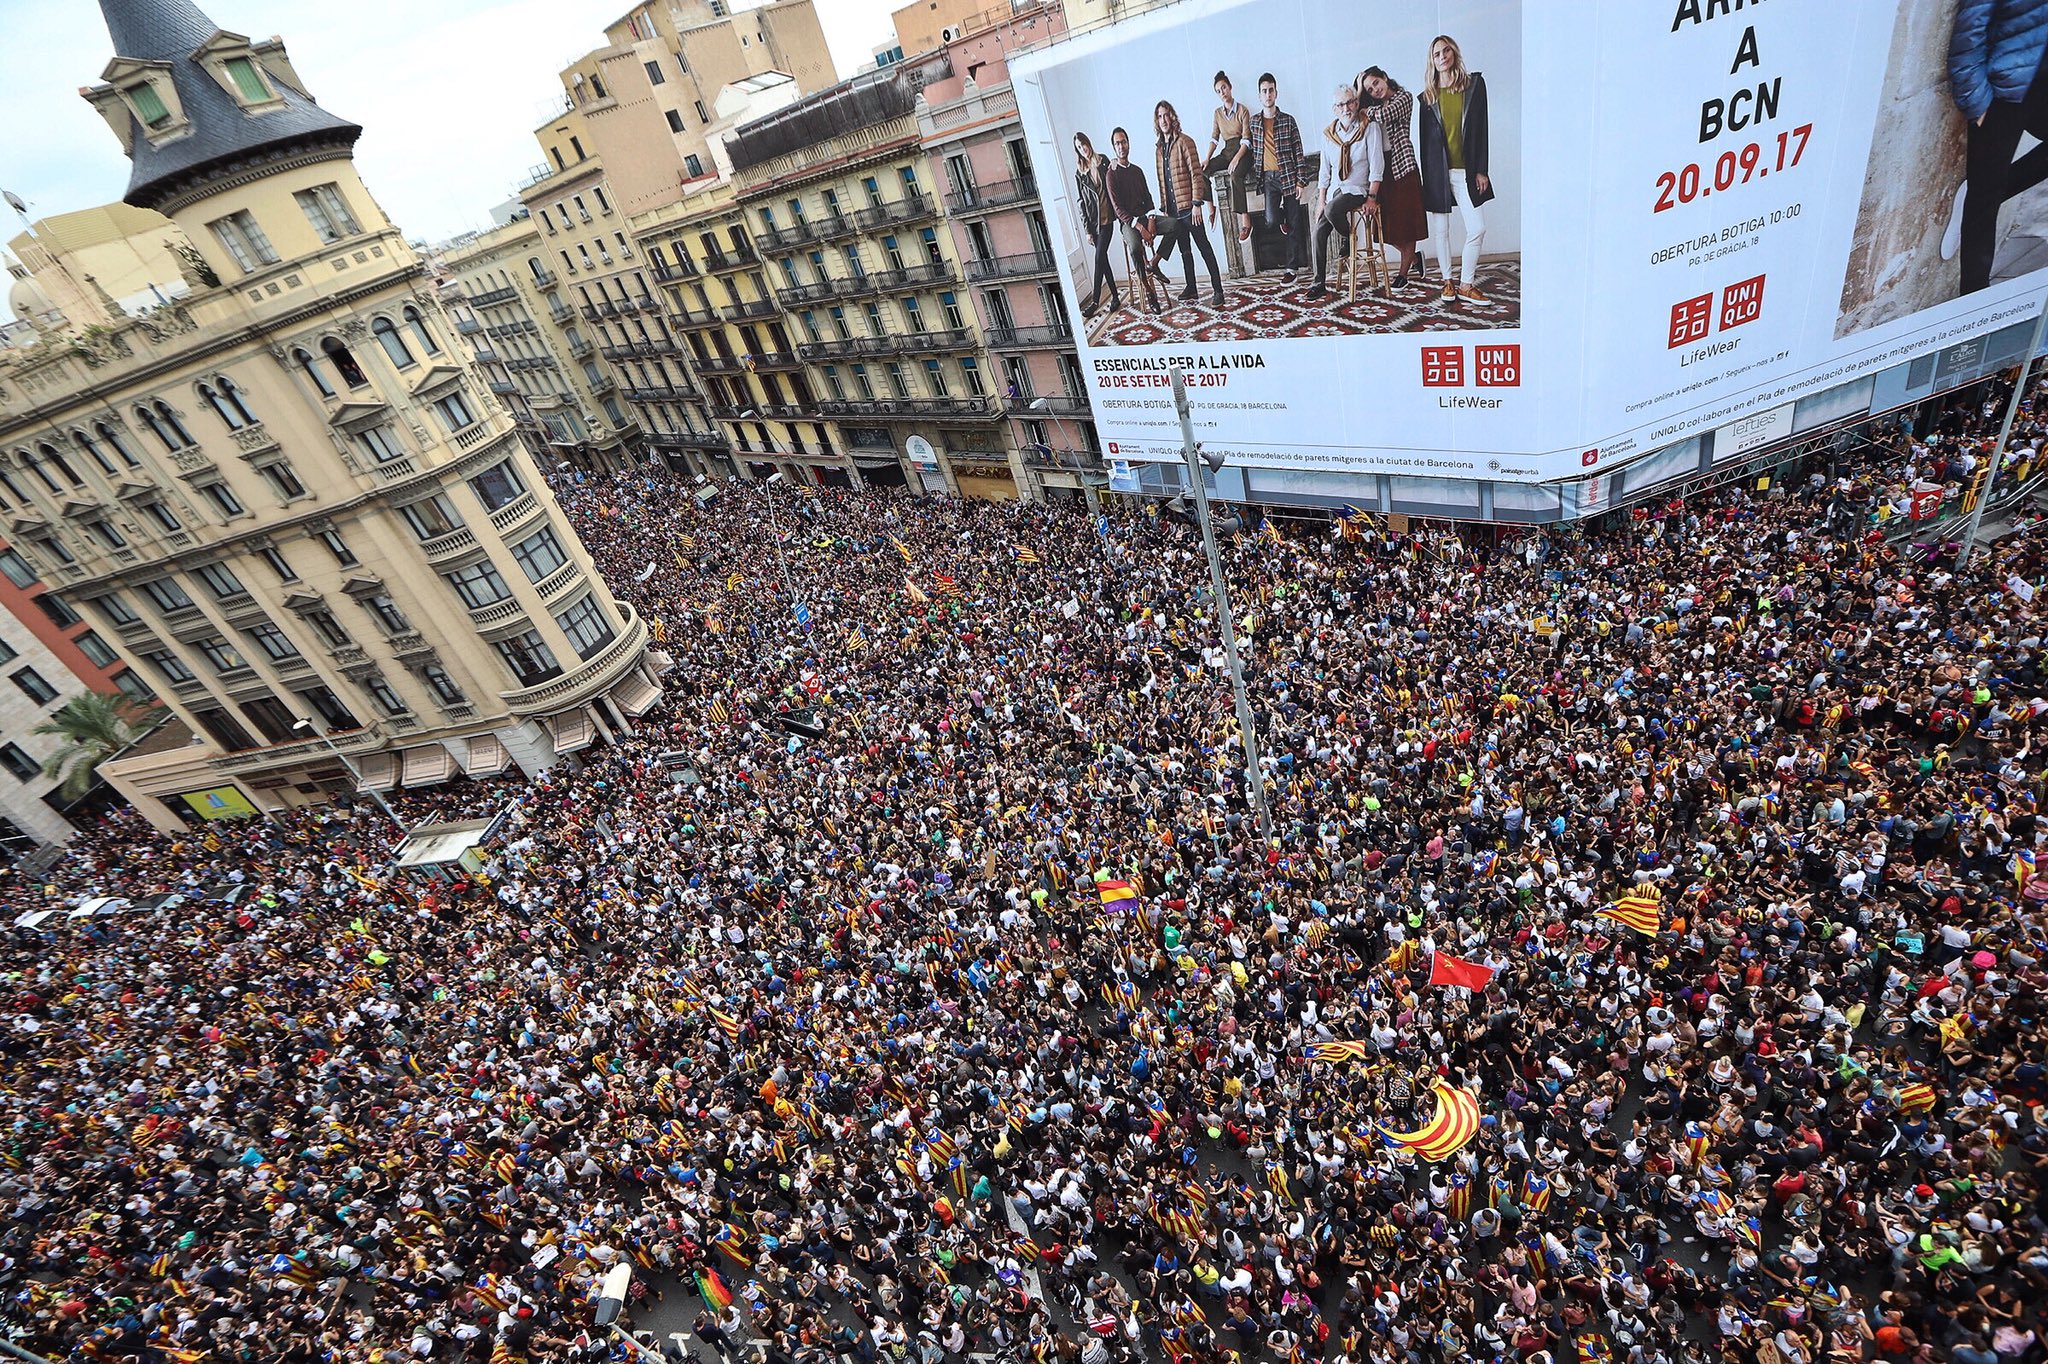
{"x": 1183, "y": 190}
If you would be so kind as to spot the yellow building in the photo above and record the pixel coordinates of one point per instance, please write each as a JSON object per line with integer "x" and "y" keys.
{"x": 289, "y": 496}
{"x": 838, "y": 193}
{"x": 99, "y": 264}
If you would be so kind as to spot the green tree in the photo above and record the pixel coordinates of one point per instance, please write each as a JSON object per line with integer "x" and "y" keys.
{"x": 94, "y": 726}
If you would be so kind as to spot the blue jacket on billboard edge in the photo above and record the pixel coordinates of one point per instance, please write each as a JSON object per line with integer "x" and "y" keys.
{"x": 1994, "y": 52}
{"x": 1434, "y": 152}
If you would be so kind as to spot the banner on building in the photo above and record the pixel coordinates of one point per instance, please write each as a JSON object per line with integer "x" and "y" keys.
{"x": 220, "y": 802}
{"x": 1496, "y": 240}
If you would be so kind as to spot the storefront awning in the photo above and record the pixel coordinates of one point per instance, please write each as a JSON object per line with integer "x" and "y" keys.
{"x": 486, "y": 757}
{"x": 635, "y": 696}
{"x": 572, "y": 730}
{"x": 427, "y": 766}
{"x": 378, "y": 772}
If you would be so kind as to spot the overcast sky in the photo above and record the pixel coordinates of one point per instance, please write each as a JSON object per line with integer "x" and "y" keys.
{"x": 448, "y": 92}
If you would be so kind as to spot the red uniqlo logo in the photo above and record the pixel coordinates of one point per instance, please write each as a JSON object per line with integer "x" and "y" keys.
{"x": 1742, "y": 302}
{"x": 1497, "y": 366}
{"x": 1691, "y": 321}
{"x": 1443, "y": 366}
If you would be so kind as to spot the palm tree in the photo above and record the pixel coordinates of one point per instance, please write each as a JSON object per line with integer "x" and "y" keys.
{"x": 94, "y": 726}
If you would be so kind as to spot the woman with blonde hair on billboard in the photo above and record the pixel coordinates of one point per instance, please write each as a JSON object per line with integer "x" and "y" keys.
{"x": 1402, "y": 219}
{"x": 1453, "y": 162}
{"x": 1091, "y": 200}
{"x": 1183, "y": 189}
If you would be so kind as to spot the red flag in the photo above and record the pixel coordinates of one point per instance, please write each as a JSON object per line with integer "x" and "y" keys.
{"x": 1445, "y": 969}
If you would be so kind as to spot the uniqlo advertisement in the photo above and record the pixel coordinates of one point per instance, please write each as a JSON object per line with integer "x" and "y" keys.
{"x": 1502, "y": 240}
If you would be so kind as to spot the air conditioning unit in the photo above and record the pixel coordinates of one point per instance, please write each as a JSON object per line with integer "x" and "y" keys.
{"x": 950, "y": 33}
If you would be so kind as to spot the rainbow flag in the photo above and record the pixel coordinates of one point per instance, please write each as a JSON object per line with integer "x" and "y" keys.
{"x": 712, "y": 1289}
{"x": 1641, "y": 910}
{"x": 1118, "y": 897}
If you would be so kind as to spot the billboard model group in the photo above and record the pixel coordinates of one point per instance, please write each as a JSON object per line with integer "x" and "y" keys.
{"x": 1308, "y": 205}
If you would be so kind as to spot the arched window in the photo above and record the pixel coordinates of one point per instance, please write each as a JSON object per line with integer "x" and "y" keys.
{"x": 393, "y": 344}
{"x": 114, "y": 442}
{"x": 312, "y": 370}
{"x": 418, "y": 327}
{"x": 148, "y": 419}
{"x": 34, "y": 466}
{"x": 55, "y": 457}
{"x": 228, "y": 415}
{"x": 91, "y": 447}
{"x": 170, "y": 420}
{"x": 233, "y": 397}
{"x": 13, "y": 489}
{"x": 345, "y": 363}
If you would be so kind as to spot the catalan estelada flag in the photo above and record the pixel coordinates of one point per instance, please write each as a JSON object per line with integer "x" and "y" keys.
{"x": 1026, "y": 554}
{"x": 733, "y": 582}
{"x": 1641, "y": 910}
{"x": 1455, "y": 1122}
{"x": 1337, "y": 1051}
{"x": 1118, "y": 897}
{"x": 719, "y": 714}
{"x": 727, "y": 1024}
{"x": 901, "y": 548}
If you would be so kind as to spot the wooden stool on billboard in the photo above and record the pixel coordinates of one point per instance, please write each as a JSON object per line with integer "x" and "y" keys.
{"x": 1368, "y": 243}
{"x": 1141, "y": 275}
{"x": 1227, "y": 225}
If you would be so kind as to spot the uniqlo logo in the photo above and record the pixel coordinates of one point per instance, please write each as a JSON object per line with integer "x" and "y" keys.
{"x": 1497, "y": 366}
{"x": 1443, "y": 366}
{"x": 1691, "y": 321}
{"x": 1589, "y": 459}
{"x": 1742, "y": 302}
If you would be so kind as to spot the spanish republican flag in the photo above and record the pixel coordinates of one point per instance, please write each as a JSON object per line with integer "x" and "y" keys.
{"x": 1445, "y": 969}
{"x": 1118, "y": 897}
{"x": 1641, "y": 910}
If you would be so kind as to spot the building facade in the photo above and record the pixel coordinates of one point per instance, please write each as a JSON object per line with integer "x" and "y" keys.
{"x": 291, "y": 497}
{"x": 37, "y": 682}
{"x": 970, "y": 131}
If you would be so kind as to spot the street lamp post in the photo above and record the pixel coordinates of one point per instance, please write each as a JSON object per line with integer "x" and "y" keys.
{"x": 1195, "y": 458}
{"x": 375, "y": 794}
{"x": 2012, "y": 409}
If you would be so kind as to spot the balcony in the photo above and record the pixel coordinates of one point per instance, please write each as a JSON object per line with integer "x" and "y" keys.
{"x": 908, "y": 209}
{"x": 494, "y": 297}
{"x": 671, "y": 274}
{"x": 1048, "y": 405}
{"x": 513, "y": 512}
{"x": 786, "y": 412}
{"x": 1071, "y": 461}
{"x": 313, "y": 749}
{"x": 908, "y": 409}
{"x": 848, "y": 348}
{"x": 903, "y": 343}
{"x": 1029, "y": 338}
{"x": 504, "y": 388}
{"x": 632, "y": 350}
{"x": 1010, "y": 267}
{"x": 752, "y": 308}
{"x": 688, "y": 440}
{"x": 454, "y": 542}
{"x": 559, "y": 581}
{"x": 391, "y": 470}
{"x": 719, "y": 364}
{"x": 469, "y": 326}
{"x": 485, "y": 355}
{"x": 1000, "y": 194}
{"x": 561, "y": 317}
{"x": 784, "y": 238}
{"x": 590, "y": 312}
{"x": 544, "y": 279}
{"x": 799, "y": 295}
{"x": 802, "y": 449}
{"x": 471, "y": 436}
{"x": 722, "y": 261}
{"x": 919, "y": 343}
{"x": 776, "y": 359}
{"x": 693, "y": 317}
{"x": 831, "y": 227}
{"x": 496, "y": 613}
{"x": 924, "y": 276}
{"x": 604, "y": 382}
{"x": 587, "y": 681}
{"x": 659, "y": 393}
{"x": 645, "y": 303}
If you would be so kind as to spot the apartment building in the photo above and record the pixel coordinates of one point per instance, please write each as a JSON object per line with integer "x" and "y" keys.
{"x": 970, "y": 131}
{"x": 289, "y": 496}
{"x": 34, "y": 683}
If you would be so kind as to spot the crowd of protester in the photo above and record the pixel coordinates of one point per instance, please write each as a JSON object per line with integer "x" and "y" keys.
{"x": 806, "y": 999}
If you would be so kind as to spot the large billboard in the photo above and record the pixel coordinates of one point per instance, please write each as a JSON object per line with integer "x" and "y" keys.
{"x": 1523, "y": 242}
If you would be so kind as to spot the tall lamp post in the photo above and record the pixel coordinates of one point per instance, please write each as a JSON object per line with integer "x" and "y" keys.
{"x": 2012, "y": 409}
{"x": 375, "y": 795}
{"x": 1198, "y": 459}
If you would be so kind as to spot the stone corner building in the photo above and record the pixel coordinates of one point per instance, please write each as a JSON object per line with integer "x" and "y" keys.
{"x": 287, "y": 496}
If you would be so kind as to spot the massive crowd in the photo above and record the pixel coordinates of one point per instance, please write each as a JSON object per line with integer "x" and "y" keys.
{"x": 828, "y": 1029}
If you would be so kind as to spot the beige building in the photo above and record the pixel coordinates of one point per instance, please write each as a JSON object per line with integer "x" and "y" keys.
{"x": 290, "y": 497}
{"x": 839, "y": 196}
{"x": 98, "y": 264}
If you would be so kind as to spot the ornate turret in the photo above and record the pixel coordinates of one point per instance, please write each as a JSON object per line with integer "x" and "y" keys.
{"x": 197, "y": 107}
